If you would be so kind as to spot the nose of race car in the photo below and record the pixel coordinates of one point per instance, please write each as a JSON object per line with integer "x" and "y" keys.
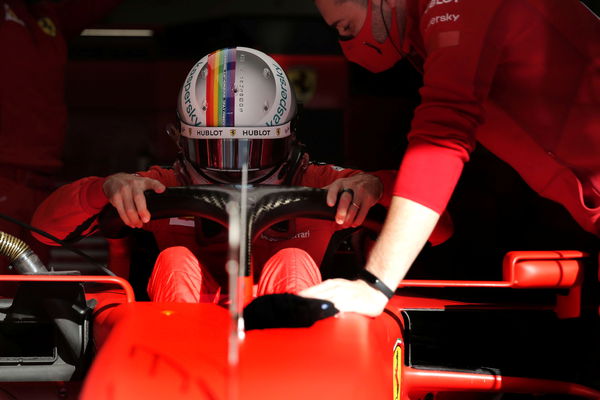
{"x": 180, "y": 351}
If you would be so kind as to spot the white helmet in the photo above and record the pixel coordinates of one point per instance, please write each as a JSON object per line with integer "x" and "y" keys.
{"x": 236, "y": 104}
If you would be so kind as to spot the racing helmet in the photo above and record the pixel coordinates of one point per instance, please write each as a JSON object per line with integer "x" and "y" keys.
{"x": 236, "y": 105}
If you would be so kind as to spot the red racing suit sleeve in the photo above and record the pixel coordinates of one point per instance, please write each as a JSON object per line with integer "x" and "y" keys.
{"x": 320, "y": 175}
{"x": 460, "y": 48}
{"x": 77, "y": 204}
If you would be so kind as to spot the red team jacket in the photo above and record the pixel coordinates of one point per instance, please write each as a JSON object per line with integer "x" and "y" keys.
{"x": 74, "y": 203}
{"x": 522, "y": 77}
{"x": 34, "y": 53}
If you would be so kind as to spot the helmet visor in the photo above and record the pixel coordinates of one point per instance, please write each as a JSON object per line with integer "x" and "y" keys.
{"x": 230, "y": 154}
{"x": 226, "y": 148}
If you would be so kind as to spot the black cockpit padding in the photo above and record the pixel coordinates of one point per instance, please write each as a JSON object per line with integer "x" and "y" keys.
{"x": 286, "y": 310}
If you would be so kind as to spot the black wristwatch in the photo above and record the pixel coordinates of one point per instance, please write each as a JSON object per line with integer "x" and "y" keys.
{"x": 375, "y": 283}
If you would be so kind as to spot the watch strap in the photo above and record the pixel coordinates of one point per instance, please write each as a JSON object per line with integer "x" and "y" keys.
{"x": 375, "y": 283}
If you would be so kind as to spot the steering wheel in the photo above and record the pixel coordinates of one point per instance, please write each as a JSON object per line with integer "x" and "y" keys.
{"x": 267, "y": 205}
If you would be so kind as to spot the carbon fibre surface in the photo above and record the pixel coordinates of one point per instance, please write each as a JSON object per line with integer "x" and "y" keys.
{"x": 267, "y": 205}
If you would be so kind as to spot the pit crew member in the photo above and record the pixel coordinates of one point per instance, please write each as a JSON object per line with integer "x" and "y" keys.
{"x": 520, "y": 77}
{"x": 33, "y": 113}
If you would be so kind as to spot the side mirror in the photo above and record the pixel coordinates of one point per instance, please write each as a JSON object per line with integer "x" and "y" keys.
{"x": 542, "y": 269}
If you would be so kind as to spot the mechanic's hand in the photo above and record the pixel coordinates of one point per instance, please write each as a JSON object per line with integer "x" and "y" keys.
{"x": 126, "y": 193}
{"x": 360, "y": 193}
{"x": 351, "y": 296}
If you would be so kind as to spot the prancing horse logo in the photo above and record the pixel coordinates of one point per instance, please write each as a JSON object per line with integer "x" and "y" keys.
{"x": 47, "y": 26}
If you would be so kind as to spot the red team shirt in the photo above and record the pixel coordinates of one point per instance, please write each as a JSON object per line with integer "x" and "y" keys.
{"x": 519, "y": 76}
{"x": 32, "y": 107}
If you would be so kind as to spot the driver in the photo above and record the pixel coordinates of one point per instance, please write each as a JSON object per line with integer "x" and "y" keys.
{"x": 235, "y": 104}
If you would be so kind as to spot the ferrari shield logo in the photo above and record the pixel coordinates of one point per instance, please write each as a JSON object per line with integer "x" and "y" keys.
{"x": 397, "y": 365}
{"x": 47, "y": 26}
{"x": 304, "y": 81}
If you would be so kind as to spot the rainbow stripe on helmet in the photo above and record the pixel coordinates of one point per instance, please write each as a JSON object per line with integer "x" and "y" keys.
{"x": 220, "y": 82}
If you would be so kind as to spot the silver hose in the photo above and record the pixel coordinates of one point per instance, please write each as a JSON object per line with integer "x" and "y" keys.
{"x": 11, "y": 246}
{"x": 20, "y": 255}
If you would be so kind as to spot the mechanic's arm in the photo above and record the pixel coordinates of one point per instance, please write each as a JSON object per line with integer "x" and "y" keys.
{"x": 456, "y": 84}
{"x": 407, "y": 228}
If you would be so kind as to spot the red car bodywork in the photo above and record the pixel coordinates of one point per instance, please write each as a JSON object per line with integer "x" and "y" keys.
{"x": 173, "y": 350}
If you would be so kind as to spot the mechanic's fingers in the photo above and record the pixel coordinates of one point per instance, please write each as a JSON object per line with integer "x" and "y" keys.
{"x": 343, "y": 208}
{"x": 348, "y": 296}
{"x": 332, "y": 192}
{"x": 331, "y": 290}
{"x": 321, "y": 291}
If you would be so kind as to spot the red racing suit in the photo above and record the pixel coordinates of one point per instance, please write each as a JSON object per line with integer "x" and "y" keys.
{"x": 522, "y": 77}
{"x": 71, "y": 205}
{"x": 32, "y": 107}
